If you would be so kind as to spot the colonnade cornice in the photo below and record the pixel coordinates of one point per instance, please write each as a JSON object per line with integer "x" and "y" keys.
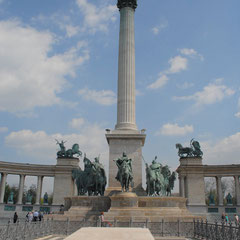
{"x": 33, "y": 169}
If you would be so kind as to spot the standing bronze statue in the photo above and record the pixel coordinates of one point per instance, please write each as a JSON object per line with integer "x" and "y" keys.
{"x": 125, "y": 173}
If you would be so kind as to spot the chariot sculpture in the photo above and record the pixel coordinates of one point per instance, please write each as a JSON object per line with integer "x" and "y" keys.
{"x": 193, "y": 151}
{"x": 63, "y": 153}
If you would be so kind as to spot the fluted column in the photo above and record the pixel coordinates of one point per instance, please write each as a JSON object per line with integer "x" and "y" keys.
{"x": 20, "y": 189}
{"x": 237, "y": 190}
{"x": 3, "y": 184}
{"x": 39, "y": 189}
{"x": 181, "y": 186}
{"x": 126, "y": 67}
{"x": 219, "y": 190}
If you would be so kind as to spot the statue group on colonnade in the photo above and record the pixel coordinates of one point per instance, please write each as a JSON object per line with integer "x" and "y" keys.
{"x": 193, "y": 151}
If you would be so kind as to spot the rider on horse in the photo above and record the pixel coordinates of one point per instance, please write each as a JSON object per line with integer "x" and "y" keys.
{"x": 156, "y": 167}
{"x": 120, "y": 162}
{"x": 98, "y": 167}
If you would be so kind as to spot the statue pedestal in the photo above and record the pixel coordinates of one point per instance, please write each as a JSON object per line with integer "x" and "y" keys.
{"x": 130, "y": 142}
{"x": 63, "y": 181}
{"x": 129, "y": 206}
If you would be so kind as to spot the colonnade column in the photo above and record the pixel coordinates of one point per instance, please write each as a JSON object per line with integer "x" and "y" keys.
{"x": 182, "y": 186}
{"x": 39, "y": 189}
{"x": 3, "y": 184}
{"x": 21, "y": 188}
{"x": 219, "y": 190}
{"x": 237, "y": 190}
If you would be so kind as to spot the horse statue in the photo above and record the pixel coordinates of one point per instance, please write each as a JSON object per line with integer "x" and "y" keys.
{"x": 124, "y": 175}
{"x": 193, "y": 151}
{"x": 80, "y": 178}
{"x": 170, "y": 186}
{"x": 70, "y": 152}
{"x": 160, "y": 181}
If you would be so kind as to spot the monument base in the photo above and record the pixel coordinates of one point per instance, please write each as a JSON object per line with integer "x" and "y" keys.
{"x": 125, "y": 207}
{"x": 130, "y": 142}
{"x": 129, "y": 206}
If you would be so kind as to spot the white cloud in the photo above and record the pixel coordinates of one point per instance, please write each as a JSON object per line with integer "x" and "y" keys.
{"x": 160, "y": 82}
{"x": 185, "y": 85}
{"x": 29, "y": 75}
{"x": 212, "y": 93}
{"x": 237, "y": 115}
{"x": 97, "y": 18}
{"x": 224, "y": 151}
{"x": 175, "y": 130}
{"x": 157, "y": 29}
{"x": 3, "y": 129}
{"x": 177, "y": 64}
{"x": 41, "y": 147}
{"x": 103, "y": 97}
{"x": 77, "y": 123}
{"x": 191, "y": 53}
{"x": 71, "y": 30}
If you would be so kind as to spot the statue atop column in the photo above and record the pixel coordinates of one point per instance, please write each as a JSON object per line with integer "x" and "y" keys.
{"x": 125, "y": 172}
{"x": 127, "y": 3}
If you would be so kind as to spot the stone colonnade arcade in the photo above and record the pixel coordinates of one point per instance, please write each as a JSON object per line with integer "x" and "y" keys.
{"x": 63, "y": 182}
{"x": 192, "y": 172}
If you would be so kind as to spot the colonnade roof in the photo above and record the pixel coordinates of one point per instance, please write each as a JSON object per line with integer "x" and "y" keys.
{"x": 230, "y": 170}
{"x": 27, "y": 169}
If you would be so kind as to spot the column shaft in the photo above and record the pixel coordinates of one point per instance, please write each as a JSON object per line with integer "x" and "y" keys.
{"x": 126, "y": 71}
{"x": 181, "y": 186}
{"x": 21, "y": 188}
{"x": 3, "y": 184}
{"x": 219, "y": 191}
{"x": 237, "y": 190}
{"x": 39, "y": 189}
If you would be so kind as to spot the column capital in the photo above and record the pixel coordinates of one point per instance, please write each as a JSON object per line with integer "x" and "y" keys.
{"x": 127, "y": 3}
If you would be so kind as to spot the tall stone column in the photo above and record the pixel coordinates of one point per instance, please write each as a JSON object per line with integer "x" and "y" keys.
{"x": 126, "y": 137}
{"x": 126, "y": 67}
{"x": 237, "y": 190}
{"x": 219, "y": 190}
{"x": 21, "y": 188}
{"x": 39, "y": 189}
{"x": 3, "y": 184}
{"x": 182, "y": 186}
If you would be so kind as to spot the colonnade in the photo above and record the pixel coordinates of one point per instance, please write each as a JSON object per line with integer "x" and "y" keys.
{"x": 21, "y": 187}
{"x": 184, "y": 193}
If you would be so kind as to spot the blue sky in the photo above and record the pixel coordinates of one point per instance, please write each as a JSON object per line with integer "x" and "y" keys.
{"x": 58, "y": 77}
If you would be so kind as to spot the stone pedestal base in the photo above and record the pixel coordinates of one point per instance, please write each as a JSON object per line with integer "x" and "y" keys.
{"x": 63, "y": 182}
{"x": 130, "y": 142}
{"x": 128, "y": 206}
